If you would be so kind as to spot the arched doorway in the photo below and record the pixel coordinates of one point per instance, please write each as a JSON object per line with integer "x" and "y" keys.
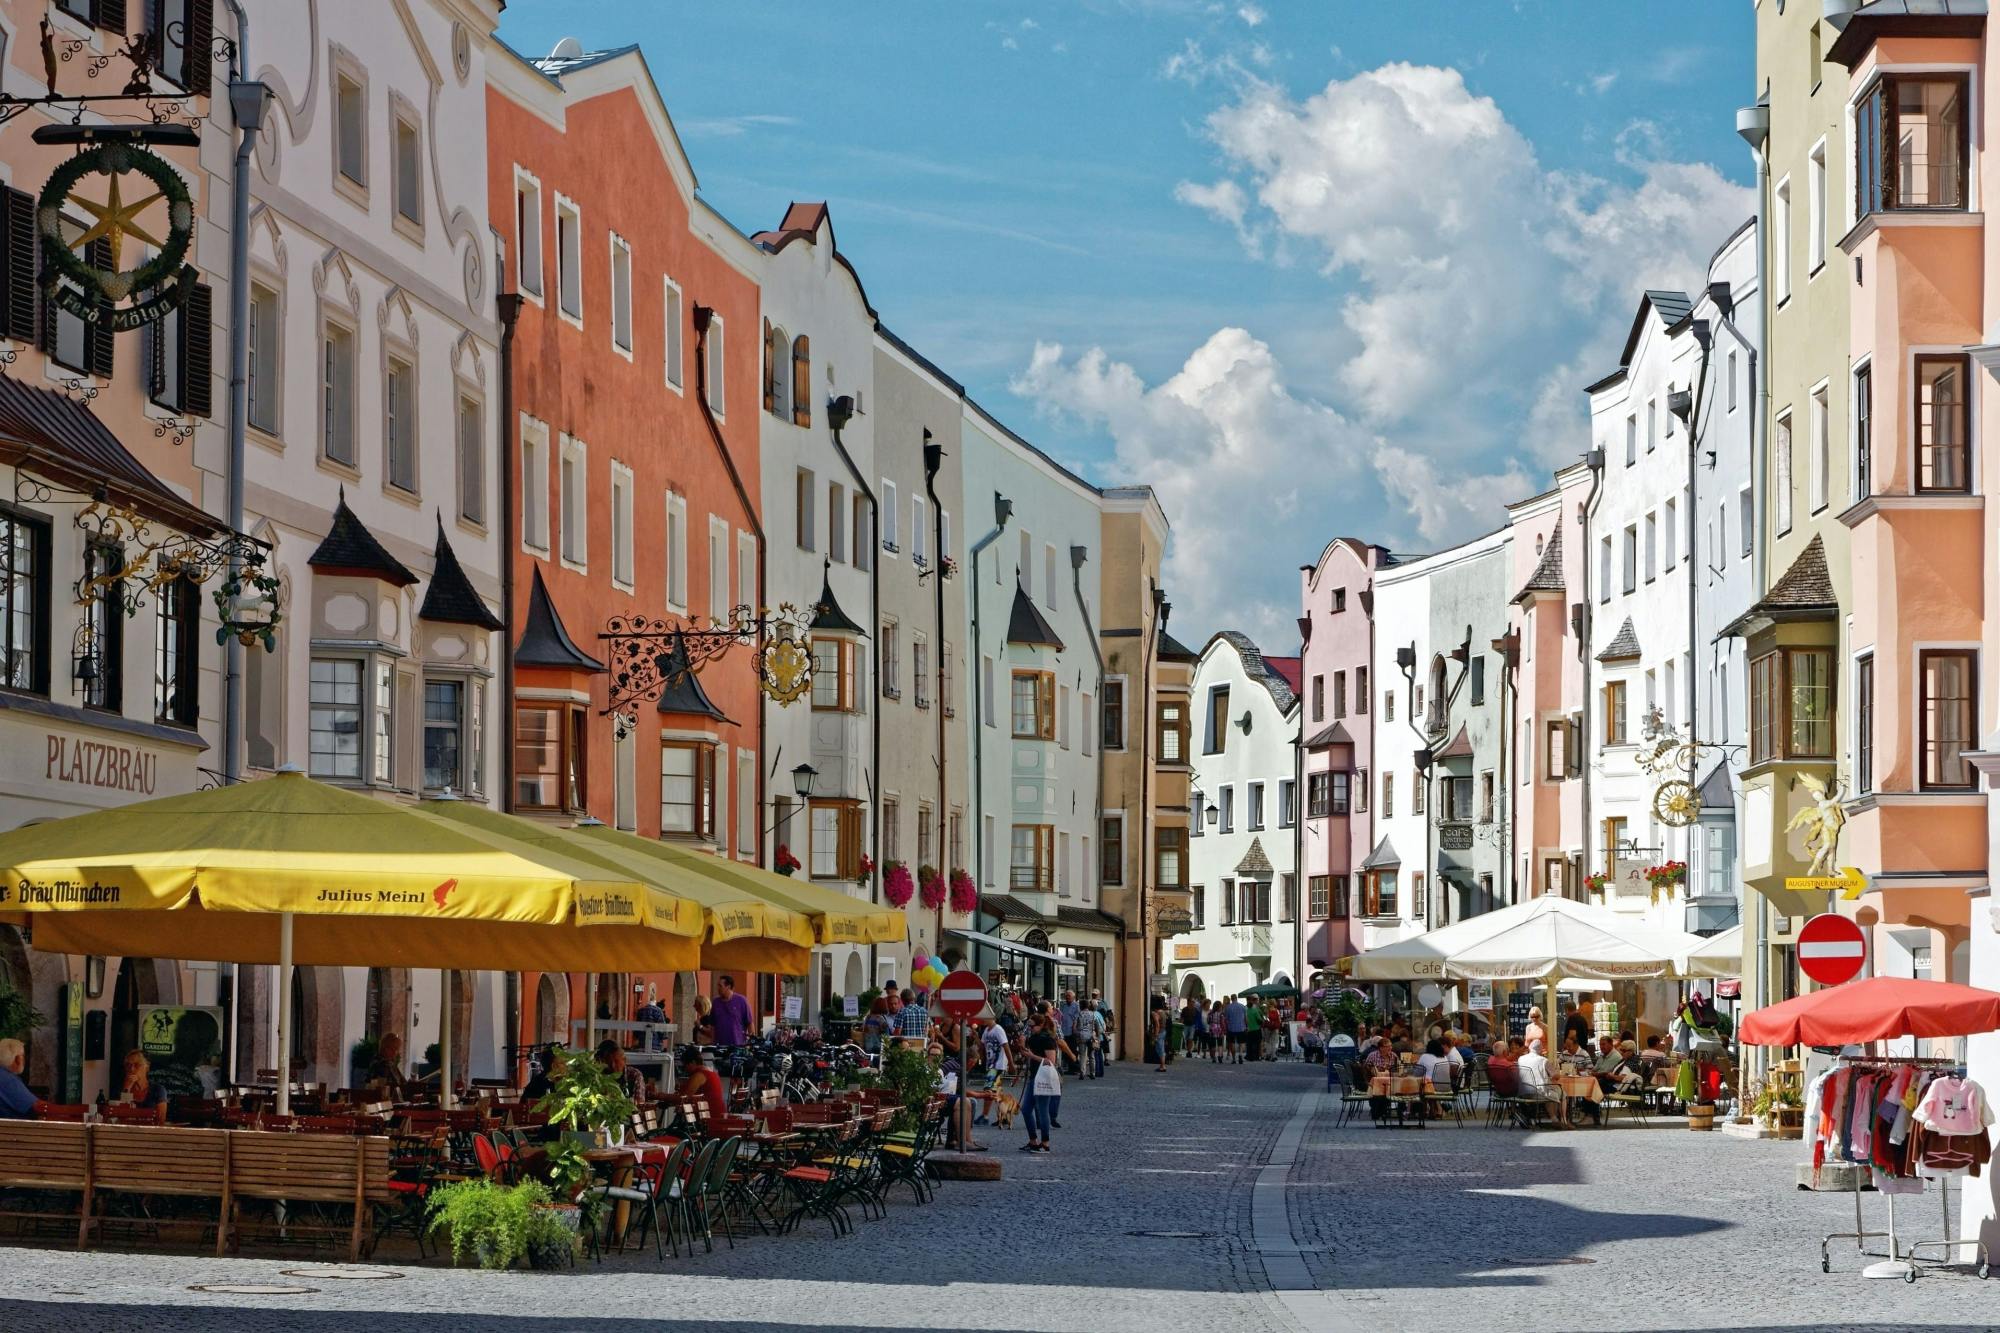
{"x": 1192, "y": 988}
{"x": 140, "y": 981}
{"x": 682, "y": 1009}
{"x": 856, "y": 979}
{"x": 317, "y": 1026}
{"x": 551, "y": 1008}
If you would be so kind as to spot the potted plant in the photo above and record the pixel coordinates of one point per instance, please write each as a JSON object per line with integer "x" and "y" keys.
{"x": 1666, "y": 878}
{"x": 493, "y": 1223}
{"x": 585, "y": 1098}
{"x": 930, "y": 886}
{"x": 1597, "y": 883}
{"x": 784, "y": 862}
{"x": 897, "y": 885}
{"x": 863, "y": 869}
{"x": 1780, "y": 1106}
{"x": 18, "y": 1018}
{"x": 964, "y": 893}
{"x": 909, "y": 1072}
{"x": 569, "y": 1173}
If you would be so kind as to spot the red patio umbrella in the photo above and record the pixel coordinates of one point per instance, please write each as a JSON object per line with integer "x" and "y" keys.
{"x": 1875, "y": 1010}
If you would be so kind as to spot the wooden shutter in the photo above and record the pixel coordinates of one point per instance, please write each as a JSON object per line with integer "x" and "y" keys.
{"x": 101, "y": 341}
{"x": 198, "y": 65}
{"x": 197, "y": 397}
{"x": 109, "y": 15}
{"x": 802, "y": 412}
{"x": 17, "y": 230}
{"x": 770, "y": 368}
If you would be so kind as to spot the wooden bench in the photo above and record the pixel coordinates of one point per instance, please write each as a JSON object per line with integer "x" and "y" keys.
{"x": 43, "y": 1155}
{"x": 306, "y": 1168}
{"x": 150, "y": 1160}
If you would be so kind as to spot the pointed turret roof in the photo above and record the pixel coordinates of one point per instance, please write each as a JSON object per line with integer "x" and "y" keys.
{"x": 1624, "y": 645}
{"x": 450, "y": 599}
{"x": 1383, "y": 857}
{"x": 1255, "y": 864}
{"x": 1458, "y": 747}
{"x": 683, "y": 694}
{"x": 1548, "y": 575}
{"x": 1026, "y": 625}
{"x": 544, "y": 640}
{"x": 829, "y": 617}
{"x": 350, "y": 548}
{"x": 1803, "y": 592}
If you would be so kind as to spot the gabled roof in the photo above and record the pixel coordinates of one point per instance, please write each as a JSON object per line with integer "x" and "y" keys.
{"x": 450, "y": 599}
{"x": 1383, "y": 857}
{"x": 1713, "y": 791}
{"x": 682, "y": 694}
{"x": 1624, "y": 645}
{"x": 829, "y": 616}
{"x": 1289, "y": 670}
{"x": 1256, "y": 668}
{"x": 1548, "y": 575}
{"x": 1669, "y": 307}
{"x": 1458, "y": 747}
{"x": 1803, "y": 592}
{"x": 1255, "y": 864}
{"x": 1173, "y": 650}
{"x": 1334, "y": 734}
{"x": 544, "y": 640}
{"x": 1026, "y": 625}
{"x": 61, "y": 439}
{"x": 350, "y": 548}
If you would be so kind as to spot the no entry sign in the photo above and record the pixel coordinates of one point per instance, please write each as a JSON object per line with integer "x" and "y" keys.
{"x": 1832, "y": 949}
{"x": 962, "y": 995}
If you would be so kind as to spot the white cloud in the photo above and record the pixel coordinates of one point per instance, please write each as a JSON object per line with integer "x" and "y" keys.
{"x": 730, "y": 127}
{"x": 1228, "y": 445}
{"x": 1448, "y": 508}
{"x": 1251, "y": 15}
{"x": 1226, "y": 200}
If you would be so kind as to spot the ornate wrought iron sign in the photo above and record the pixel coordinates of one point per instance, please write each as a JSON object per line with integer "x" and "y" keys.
{"x": 652, "y": 654}
{"x": 163, "y": 219}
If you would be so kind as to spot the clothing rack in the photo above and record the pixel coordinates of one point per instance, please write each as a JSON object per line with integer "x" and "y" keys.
{"x": 1900, "y": 1261}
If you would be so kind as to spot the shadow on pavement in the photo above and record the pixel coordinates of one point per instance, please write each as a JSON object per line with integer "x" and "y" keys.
{"x": 45, "y": 1316}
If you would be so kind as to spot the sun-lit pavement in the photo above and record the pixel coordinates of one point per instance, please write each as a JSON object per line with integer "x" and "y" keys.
{"x": 1162, "y": 1208}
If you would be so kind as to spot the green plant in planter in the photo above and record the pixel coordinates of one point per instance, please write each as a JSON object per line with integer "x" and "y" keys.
{"x": 912, "y": 1075}
{"x": 585, "y": 1097}
{"x": 18, "y": 1018}
{"x": 1773, "y": 1098}
{"x": 1347, "y": 1011}
{"x": 569, "y": 1173}
{"x": 493, "y": 1223}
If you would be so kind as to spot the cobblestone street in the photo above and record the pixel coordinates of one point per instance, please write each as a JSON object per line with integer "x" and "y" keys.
{"x": 1174, "y": 1201}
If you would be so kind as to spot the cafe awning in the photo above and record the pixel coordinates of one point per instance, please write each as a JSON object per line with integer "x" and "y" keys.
{"x": 1011, "y": 946}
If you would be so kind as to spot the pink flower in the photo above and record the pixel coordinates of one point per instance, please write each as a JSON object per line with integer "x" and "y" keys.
{"x": 897, "y": 885}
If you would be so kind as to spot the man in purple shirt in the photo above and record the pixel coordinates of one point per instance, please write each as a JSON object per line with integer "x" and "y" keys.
{"x": 731, "y": 1014}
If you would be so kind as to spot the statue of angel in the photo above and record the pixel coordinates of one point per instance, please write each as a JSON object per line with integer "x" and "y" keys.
{"x": 1822, "y": 821}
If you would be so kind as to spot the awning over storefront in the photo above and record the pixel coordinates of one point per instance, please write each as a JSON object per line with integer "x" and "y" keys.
{"x": 54, "y": 436}
{"x": 1013, "y": 946}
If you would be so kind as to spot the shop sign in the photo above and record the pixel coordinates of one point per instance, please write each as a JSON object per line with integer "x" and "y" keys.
{"x": 1479, "y": 995}
{"x": 1174, "y": 921}
{"x": 1455, "y": 837}
{"x": 183, "y": 1044}
{"x": 89, "y": 290}
{"x": 1187, "y": 953}
{"x": 85, "y": 763}
{"x": 72, "y": 1043}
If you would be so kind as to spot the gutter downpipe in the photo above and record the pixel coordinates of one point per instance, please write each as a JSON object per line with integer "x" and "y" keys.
{"x": 1760, "y": 558}
{"x": 1162, "y": 608}
{"x": 248, "y": 101}
{"x": 1077, "y": 555}
{"x": 933, "y": 461}
{"x": 1003, "y": 509}
{"x": 1595, "y": 460}
{"x": 508, "y": 307}
{"x": 836, "y": 422}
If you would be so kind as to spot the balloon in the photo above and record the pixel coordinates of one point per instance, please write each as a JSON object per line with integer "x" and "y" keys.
{"x": 920, "y": 964}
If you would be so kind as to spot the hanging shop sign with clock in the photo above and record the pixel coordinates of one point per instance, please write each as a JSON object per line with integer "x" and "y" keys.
{"x": 159, "y": 214}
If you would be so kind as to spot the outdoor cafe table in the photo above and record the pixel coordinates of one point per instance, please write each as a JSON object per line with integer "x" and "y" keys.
{"x": 618, "y": 1163}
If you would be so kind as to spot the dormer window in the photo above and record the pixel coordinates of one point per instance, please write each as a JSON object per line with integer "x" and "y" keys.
{"x": 1910, "y": 144}
{"x": 1340, "y": 599}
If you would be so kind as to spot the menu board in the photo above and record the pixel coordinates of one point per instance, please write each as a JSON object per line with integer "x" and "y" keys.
{"x": 1518, "y": 1005}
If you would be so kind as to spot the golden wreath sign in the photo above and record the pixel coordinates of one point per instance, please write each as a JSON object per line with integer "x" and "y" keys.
{"x": 162, "y": 219}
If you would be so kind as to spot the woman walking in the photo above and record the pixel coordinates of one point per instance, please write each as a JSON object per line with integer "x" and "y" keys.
{"x": 1043, "y": 1071}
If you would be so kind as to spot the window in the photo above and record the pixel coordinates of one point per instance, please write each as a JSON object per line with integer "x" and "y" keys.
{"x": 528, "y": 234}
{"x": 1941, "y": 425}
{"x": 1486, "y": 798}
{"x": 1031, "y": 858}
{"x": 746, "y": 804}
{"x": 1253, "y": 902}
{"x": 1049, "y": 577}
{"x": 1378, "y": 896}
{"x": 1864, "y": 724}
{"x": 572, "y": 495}
{"x": 1173, "y": 729}
{"x": 444, "y": 733}
{"x": 471, "y": 432}
{"x": 718, "y": 569}
{"x": 1652, "y": 424}
{"x": 408, "y": 185}
{"x": 1732, "y": 379}
{"x": 1781, "y": 478}
{"x": 350, "y": 128}
{"x": 1746, "y": 520}
{"x": 1389, "y": 705}
{"x": 836, "y": 522}
{"x": 1226, "y": 809}
{"x": 676, "y": 324}
{"x": 1034, "y": 707}
{"x": 1319, "y": 795}
{"x": 1791, "y": 705}
{"x": 1216, "y": 736}
{"x": 1170, "y": 857}
{"x": 1062, "y": 865}
{"x": 986, "y": 691}
{"x": 1288, "y": 803}
{"x": 1196, "y": 811}
{"x": 1816, "y": 210}
{"x": 621, "y": 525}
{"x": 687, "y": 788}
{"x": 1198, "y": 905}
{"x": 176, "y": 643}
{"x": 337, "y": 394}
{"x": 1614, "y": 713}
{"x": 1388, "y": 795}
{"x": 1457, "y": 800}
{"x": 1555, "y": 758}
{"x": 399, "y": 402}
{"x": 1781, "y": 241}
{"x": 1228, "y": 902}
{"x": 746, "y": 567}
{"x": 1025, "y": 570}
{"x": 834, "y": 686}
{"x": 1319, "y": 896}
{"x": 1086, "y": 708}
{"x": 777, "y": 371}
{"x": 834, "y": 840}
{"x": 1319, "y": 698}
{"x": 1340, "y": 694}
{"x": 920, "y": 672}
{"x": 677, "y": 552}
{"x": 1631, "y": 553}
{"x": 103, "y": 672}
{"x": 892, "y": 826}
{"x": 920, "y": 537}
{"x": 1946, "y": 718}
{"x": 713, "y": 374}
{"x": 1819, "y": 461}
{"x": 1864, "y": 406}
{"x": 891, "y": 668}
{"x": 1604, "y": 571}
{"x": 891, "y": 518}
{"x": 1910, "y": 144}
{"x": 1361, "y": 690}
{"x": 535, "y": 486}
{"x": 334, "y": 719}
{"x": 1652, "y": 547}
{"x": 944, "y": 534}
{"x": 384, "y": 747}
{"x": 569, "y": 259}
{"x": 1631, "y": 440}
{"x": 263, "y": 371}
{"x": 549, "y": 756}
{"x": 621, "y": 294}
{"x": 1111, "y": 848}
{"x": 864, "y": 536}
{"x": 1673, "y": 526}
{"x": 1419, "y": 793}
{"x": 1360, "y": 787}
{"x": 1476, "y": 670}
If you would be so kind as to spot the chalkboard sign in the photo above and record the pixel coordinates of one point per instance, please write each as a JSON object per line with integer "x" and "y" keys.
{"x": 1518, "y": 1005}
{"x": 72, "y": 1044}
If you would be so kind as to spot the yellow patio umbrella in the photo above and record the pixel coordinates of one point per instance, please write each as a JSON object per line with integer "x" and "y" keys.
{"x": 225, "y": 874}
{"x": 836, "y": 918}
{"x": 734, "y": 929}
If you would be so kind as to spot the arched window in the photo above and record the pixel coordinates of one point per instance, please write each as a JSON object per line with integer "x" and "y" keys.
{"x": 778, "y": 375}
{"x": 802, "y": 412}
{"x": 1437, "y": 705}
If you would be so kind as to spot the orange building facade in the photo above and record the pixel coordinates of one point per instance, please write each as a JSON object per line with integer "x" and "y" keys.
{"x": 632, "y": 453}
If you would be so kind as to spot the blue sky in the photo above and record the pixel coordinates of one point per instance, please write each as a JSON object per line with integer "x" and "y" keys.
{"x": 1314, "y": 269}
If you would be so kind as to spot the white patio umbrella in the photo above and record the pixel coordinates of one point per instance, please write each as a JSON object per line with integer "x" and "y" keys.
{"x": 1718, "y": 957}
{"x": 1550, "y": 938}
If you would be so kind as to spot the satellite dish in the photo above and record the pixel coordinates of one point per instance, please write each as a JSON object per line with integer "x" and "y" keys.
{"x": 569, "y": 48}
{"x": 1244, "y": 722}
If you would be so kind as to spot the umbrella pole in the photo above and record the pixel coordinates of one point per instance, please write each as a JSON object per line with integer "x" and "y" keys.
{"x": 285, "y": 1015}
{"x": 444, "y": 1040}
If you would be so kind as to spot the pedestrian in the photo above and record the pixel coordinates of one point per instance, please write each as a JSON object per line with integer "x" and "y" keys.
{"x": 1066, "y": 1015}
{"x": 731, "y": 1014}
{"x": 1236, "y": 1025}
{"x": 1089, "y": 1041}
{"x": 1218, "y": 1036}
{"x": 1104, "y": 1013}
{"x": 1274, "y": 1023}
{"x": 914, "y": 1019}
{"x": 1536, "y": 1032}
{"x": 1253, "y": 1031}
{"x": 1041, "y": 1090}
{"x": 1157, "y": 1031}
{"x": 1577, "y": 1027}
{"x": 1197, "y": 1029}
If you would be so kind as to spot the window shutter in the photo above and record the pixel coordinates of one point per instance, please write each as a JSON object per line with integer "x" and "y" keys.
{"x": 199, "y": 61}
{"x": 156, "y": 359}
{"x": 103, "y": 342}
{"x": 17, "y": 313}
{"x": 110, "y": 15}
{"x": 802, "y": 412}
{"x": 770, "y": 369}
{"x": 197, "y": 352}
{"x": 1572, "y": 747}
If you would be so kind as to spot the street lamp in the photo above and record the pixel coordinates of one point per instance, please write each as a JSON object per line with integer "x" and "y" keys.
{"x": 803, "y": 778}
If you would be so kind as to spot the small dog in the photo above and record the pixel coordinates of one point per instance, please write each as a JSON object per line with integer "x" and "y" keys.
{"x": 1003, "y": 1108}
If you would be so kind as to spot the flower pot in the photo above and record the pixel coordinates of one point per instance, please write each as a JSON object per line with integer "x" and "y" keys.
{"x": 1700, "y": 1117}
{"x": 547, "y": 1252}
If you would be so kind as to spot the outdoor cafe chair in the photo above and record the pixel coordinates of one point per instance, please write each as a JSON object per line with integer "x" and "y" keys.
{"x": 123, "y": 1113}
{"x": 637, "y": 1192}
{"x": 1443, "y": 1097}
{"x": 1353, "y": 1089}
{"x": 1406, "y": 1096}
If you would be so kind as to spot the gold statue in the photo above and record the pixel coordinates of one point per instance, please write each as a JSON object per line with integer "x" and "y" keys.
{"x": 1822, "y": 821}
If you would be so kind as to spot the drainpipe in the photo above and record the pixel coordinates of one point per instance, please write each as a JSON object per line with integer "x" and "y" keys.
{"x": 1077, "y": 555}
{"x": 933, "y": 460}
{"x": 1003, "y": 509}
{"x": 247, "y": 103}
{"x": 1162, "y": 608}
{"x": 1595, "y": 461}
{"x": 838, "y": 413}
{"x": 508, "y": 306}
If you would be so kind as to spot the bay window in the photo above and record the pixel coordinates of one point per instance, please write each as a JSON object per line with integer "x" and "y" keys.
{"x": 1032, "y": 858}
{"x": 833, "y": 848}
{"x": 334, "y": 718}
{"x": 687, "y": 788}
{"x": 1034, "y": 705}
{"x": 1791, "y": 705}
{"x": 1319, "y": 896}
{"x": 834, "y": 687}
{"x": 444, "y": 735}
{"x": 1942, "y": 426}
{"x": 1173, "y": 728}
{"x": 1949, "y": 679}
{"x": 1378, "y": 896}
{"x": 1170, "y": 857}
{"x": 1910, "y": 144}
{"x": 549, "y": 756}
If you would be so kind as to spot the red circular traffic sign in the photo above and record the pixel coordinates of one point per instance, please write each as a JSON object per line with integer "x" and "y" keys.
{"x": 1832, "y": 949}
{"x": 962, "y": 995}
